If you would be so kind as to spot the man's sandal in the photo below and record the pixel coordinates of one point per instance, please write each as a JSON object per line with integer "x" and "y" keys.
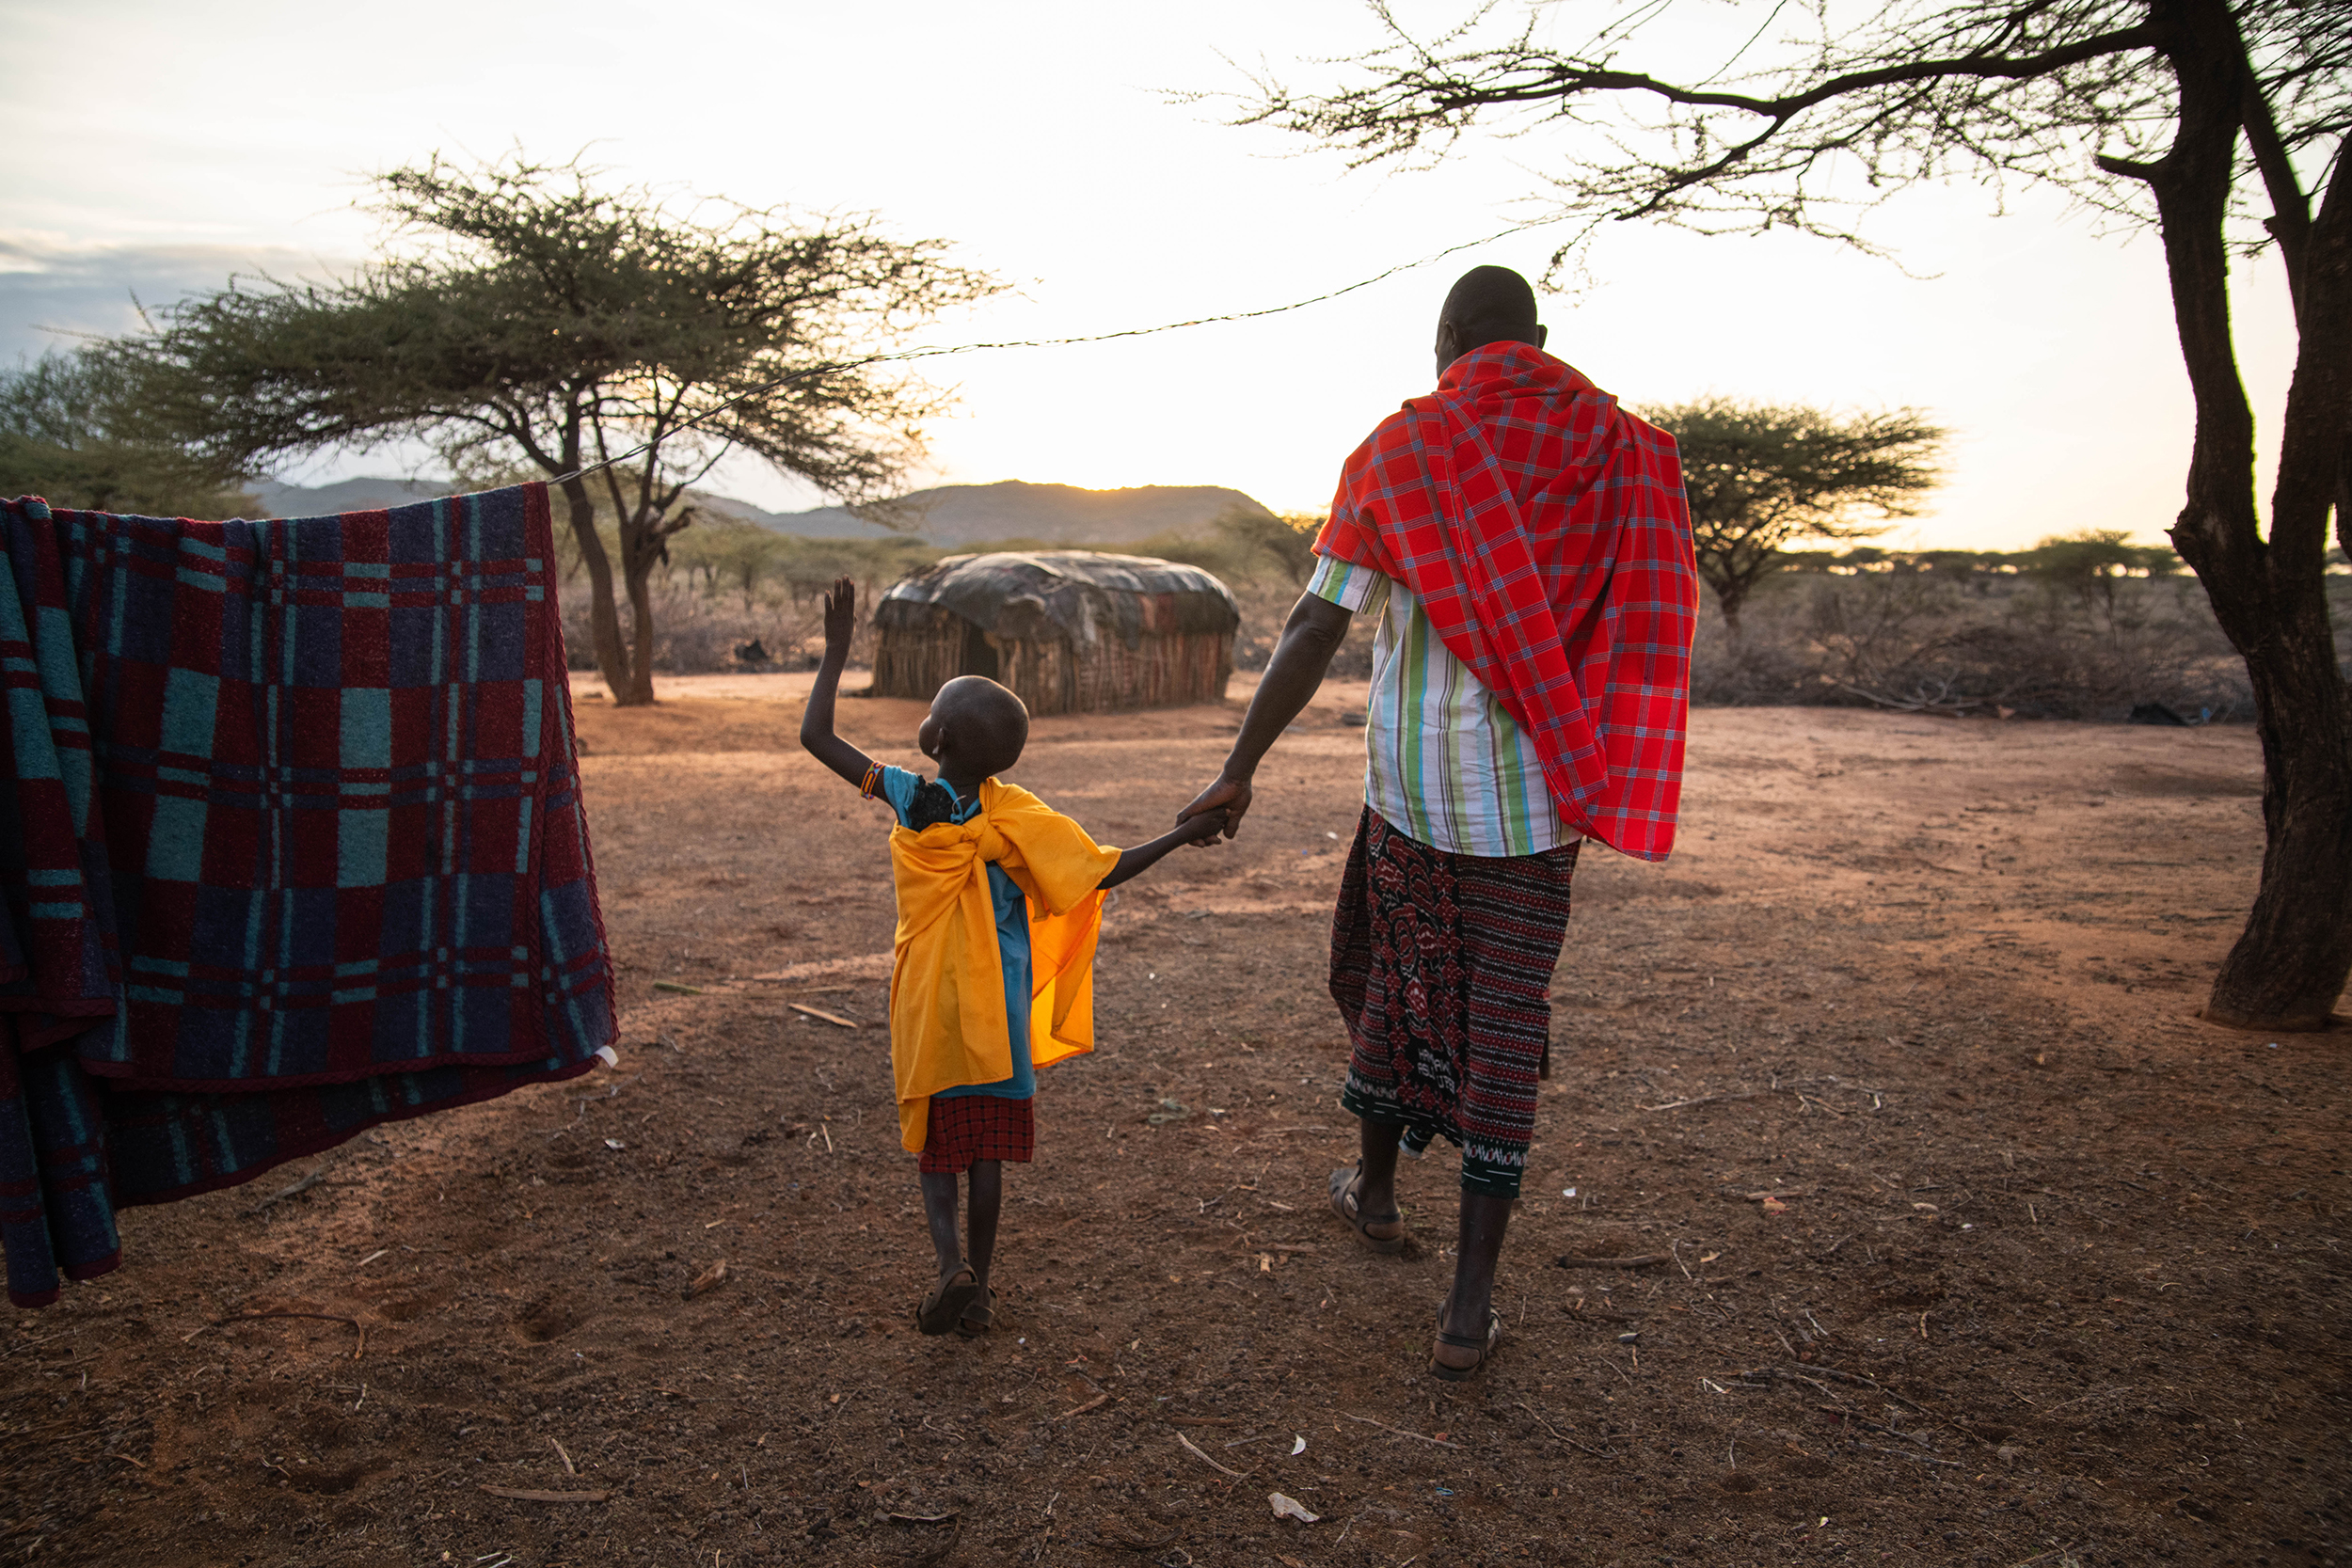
{"x": 943, "y": 1307}
{"x": 979, "y": 1317}
{"x": 1483, "y": 1344}
{"x": 1380, "y": 1235}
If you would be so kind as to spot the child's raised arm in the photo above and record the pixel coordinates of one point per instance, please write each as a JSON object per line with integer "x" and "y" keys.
{"x": 1192, "y": 829}
{"x": 817, "y": 721}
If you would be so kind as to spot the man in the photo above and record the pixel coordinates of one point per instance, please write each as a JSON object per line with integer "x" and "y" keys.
{"x": 1524, "y": 545}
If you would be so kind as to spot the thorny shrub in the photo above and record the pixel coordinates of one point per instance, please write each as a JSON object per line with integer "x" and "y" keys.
{"x": 1912, "y": 640}
{"x": 1918, "y": 640}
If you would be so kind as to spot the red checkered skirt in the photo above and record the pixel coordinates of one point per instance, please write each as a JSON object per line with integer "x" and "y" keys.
{"x": 970, "y": 1127}
{"x": 1441, "y": 965}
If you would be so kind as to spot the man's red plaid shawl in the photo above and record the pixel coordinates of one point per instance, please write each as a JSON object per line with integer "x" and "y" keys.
{"x": 1544, "y": 531}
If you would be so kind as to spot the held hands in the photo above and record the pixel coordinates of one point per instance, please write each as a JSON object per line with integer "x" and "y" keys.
{"x": 1200, "y": 830}
{"x": 840, "y": 616}
{"x": 1226, "y": 800}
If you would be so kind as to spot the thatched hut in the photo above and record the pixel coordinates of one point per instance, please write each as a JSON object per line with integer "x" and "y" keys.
{"x": 1069, "y": 631}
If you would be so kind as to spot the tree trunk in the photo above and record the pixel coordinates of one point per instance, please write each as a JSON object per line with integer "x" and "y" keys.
{"x": 1720, "y": 572}
{"x": 1730, "y": 598}
{"x": 2291, "y": 962}
{"x": 2290, "y": 966}
{"x": 604, "y": 619}
{"x": 640, "y": 549}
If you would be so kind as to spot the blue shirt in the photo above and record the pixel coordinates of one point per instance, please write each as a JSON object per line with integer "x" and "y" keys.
{"x": 897, "y": 786}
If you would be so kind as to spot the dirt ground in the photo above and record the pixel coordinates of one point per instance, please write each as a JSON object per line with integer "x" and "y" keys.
{"x": 1889, "y": 1204}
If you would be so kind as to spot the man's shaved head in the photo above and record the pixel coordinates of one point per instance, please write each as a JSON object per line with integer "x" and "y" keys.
{"x": 1486, "y": 305}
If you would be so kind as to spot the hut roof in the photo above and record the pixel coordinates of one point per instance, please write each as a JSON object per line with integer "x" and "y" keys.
{"x": 1077, "y": 594}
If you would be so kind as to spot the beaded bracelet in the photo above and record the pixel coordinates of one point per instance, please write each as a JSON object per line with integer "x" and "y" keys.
{"x": 873, "y": 780}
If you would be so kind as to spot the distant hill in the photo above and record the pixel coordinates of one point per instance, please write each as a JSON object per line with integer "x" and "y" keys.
{"x": 361, "y": 494}
{"x": 948, "y": 515}
{"x": 1056, "y": 514}
{"x": 348, "y": 495}
{"x": 828, "y": 522}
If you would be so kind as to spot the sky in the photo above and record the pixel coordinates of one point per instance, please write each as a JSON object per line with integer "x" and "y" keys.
{"x": 156, "y": 148}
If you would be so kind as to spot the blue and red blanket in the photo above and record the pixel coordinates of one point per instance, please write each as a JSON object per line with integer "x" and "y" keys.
{"x": 291, "y": 844}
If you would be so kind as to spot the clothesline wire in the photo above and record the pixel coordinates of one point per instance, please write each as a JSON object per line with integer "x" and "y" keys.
{"x": 838, "y": 367}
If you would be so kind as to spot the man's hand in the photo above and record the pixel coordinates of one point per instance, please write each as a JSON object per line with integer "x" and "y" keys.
{"x": 1228, "y": 799}
{"x": 1310, "y": 638}
{"x": 840, "y": 616}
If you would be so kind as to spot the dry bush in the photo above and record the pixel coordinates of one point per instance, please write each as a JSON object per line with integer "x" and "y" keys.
{"x": 697, "y": 631}
{"x": 1926, "y": 641}
{"x": 728, "y": 583}
{"x": 1929, "y": 642}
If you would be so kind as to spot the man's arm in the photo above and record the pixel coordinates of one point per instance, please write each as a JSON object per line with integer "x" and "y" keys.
{"x": 1197, "y": 830}
{"x": 816, "y": 719}
{"x": 1310, "y": 638}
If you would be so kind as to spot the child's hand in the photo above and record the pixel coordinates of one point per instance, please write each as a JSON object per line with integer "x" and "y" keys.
{"x": 1201, "y": 829}
{"x": 840, "y": 616}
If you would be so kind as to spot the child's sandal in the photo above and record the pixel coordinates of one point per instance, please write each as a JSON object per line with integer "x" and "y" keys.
{"x": 979, "y": 1317}
{"x": 943, "y": 1307}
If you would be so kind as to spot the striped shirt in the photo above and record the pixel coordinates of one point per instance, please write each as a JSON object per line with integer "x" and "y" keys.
{"x": 1444, "y": 761}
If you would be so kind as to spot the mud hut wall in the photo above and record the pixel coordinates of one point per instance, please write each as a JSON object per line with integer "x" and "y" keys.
{"x": 915, "y": 660}
{"x": 1168, "y": 670}
{"x": 921, "y": 650}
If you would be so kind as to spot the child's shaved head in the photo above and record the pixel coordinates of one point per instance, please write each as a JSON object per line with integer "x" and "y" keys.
{"x": 976, "y": 728}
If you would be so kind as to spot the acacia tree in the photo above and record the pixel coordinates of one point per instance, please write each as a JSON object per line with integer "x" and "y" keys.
{"x": 71, "y": 430}
{"x": 526, "y": 318}
{"x": 2199, "y": 116}
{"x": 1762, "y": 477}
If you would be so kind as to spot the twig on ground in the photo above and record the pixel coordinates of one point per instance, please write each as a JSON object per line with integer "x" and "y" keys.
{"x": 1857, "y": 1380}
{"x": 1843, "y": 1414}
{"x": 284, "y": 1193}
{"x": 1899, "y": 1453}
{"x": 524, "y": 1493}
{"x": 1576, "y": 1309}
{"x": 1708, "y": 1100}
{"x": 1400, "y": 1432}
{"x": 29, "y": 1344}
{"x": 1571, "y": 1442}
{"x": 1636, "y": 1260}
{"x": 1196, "y": 1450}
{"x": 820, "y": 1013}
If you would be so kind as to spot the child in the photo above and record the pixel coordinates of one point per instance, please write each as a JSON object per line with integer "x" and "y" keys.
{"x": 992, "y": 976}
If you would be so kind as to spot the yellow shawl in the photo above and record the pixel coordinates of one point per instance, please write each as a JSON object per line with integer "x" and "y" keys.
{"x": 947, "y": 1024}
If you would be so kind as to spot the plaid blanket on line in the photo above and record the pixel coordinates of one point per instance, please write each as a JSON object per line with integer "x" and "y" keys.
{"x": 292, "y": 844}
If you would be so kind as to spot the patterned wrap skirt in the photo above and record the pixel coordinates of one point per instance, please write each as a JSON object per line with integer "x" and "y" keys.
{"x": 969, "y": 1127}
{"x": 1441, "y": 965}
